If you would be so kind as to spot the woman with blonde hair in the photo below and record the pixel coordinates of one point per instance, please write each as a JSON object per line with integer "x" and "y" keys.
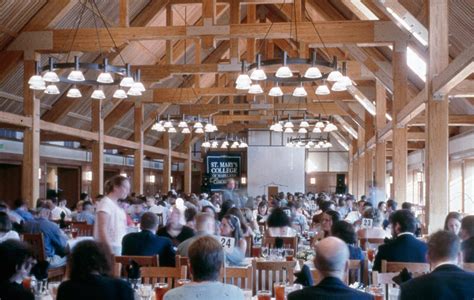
{"x": 111, "y": 221}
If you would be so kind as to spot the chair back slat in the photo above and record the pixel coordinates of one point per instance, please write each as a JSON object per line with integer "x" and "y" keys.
{"x": 36, "y": 241}
{"x": 142, "y": 261}
{"x": 390, "y": 266}
{"x": 83, "y": 229}
{"x": 241, "y": 277}
{"x": 170, "y": 275}
{"x": 288, "y": 242}
{"x": 269, "y": 272}
{"x": 248, "y": 251}
{"x": 353, "y": 273}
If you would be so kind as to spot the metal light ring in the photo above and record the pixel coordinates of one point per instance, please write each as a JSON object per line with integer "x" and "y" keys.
{"x": 292, "y": 61}
{"x": 120, "y": 70}
{"x": 87, "y": 82}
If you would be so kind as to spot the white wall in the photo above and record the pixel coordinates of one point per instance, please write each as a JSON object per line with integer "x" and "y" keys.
{"x": 277, "y": 165}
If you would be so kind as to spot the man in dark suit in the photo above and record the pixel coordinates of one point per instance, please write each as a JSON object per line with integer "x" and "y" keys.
{"x": 447, "y": 280}
{"x": 405, "y": 247}
{"x": 147, "y": 243}
{"x": 332, "y": 260}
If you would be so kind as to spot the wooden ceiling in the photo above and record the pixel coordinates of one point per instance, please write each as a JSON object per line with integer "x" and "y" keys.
{"x": 188, "y": 79}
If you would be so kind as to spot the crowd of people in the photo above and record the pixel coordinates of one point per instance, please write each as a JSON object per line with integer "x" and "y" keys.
{"x": 190, "y": 225}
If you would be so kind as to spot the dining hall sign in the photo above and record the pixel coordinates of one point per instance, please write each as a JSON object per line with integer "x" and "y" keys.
{"x": 221, "y": 167}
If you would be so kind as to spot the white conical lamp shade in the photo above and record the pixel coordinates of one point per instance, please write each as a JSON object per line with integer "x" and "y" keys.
{"x": 313, "y": 73}
{"x": 258, "y": 74}
{"x": 199, "y": 130}
{"x": 243, "y": 79}
{"x": 275, "y": 92}
{"x": 51, "y": 76}
{"x": 334, "y": 76}
{"x": 302, "y": 130}
{"x": 317, "y": 130}
{"x": 172, "y": 130}
{"x": 127, "y": 82}
{"x": 198, "y": 125}
{"x": 255, "y": 89}
{"x": 330, "y": 127}
{"x": 288, "y": 130}
{"x": 186, "y": 130}
{"x": 74, "y": 93}
{"x": 300, "y": 92}
{"x": 51, "y": 89}
{"x": 139, "y": 86}
{"x": 339, "y": 86}
{"x": 284, "y": 72}
{"x": 133, "y": 91}
{"x": 322, "y": 90}
{"x": 36, "y": 80}
{"x": 288, "y": 124}
{"x": 120, "y": 94}
{"x": 105, "y": 77}
{"x": 98, "y": 94}
{"x": 76, "y": 75}
{"x": 182, "y": 124}
{"x": 304, "y": 124}
{"x": 38, "y": 86}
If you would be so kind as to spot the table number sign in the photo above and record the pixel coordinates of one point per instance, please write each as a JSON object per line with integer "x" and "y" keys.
{"x": 227, "y": 244}
{"x": 366, "y": 223}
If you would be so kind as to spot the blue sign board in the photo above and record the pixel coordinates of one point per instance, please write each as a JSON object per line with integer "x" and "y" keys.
{"x": 221, "y": 167}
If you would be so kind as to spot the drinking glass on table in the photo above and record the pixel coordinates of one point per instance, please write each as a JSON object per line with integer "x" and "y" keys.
{"x": 183, "y": 281}
{"x": 160, "y": 290}
{"x": 265, "y": 252}
{"x": 279, "y": 290}
{"x": 371, "y": 252}
{"x": 377, "y": 291}
{"x": 289, "y": 254}
{"x": 53, "y": 288}
{"x": 264, "y": 295}
{"x": 145, "y": 291}
{"x": 74, "y": 232}
{"x": 248, "y": 294}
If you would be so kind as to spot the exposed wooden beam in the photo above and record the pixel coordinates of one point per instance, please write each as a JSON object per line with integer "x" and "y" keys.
{"x": 454, "y": 120}
{"x": 459, "y": 69}
{"x": 332, "y": 33}
{"x": 355, "y": 117}
{"x": 116, "y": 114}
{"x": 412, "y": 109}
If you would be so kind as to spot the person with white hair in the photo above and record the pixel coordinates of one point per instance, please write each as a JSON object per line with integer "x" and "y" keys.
{"x": 331, "y": 262}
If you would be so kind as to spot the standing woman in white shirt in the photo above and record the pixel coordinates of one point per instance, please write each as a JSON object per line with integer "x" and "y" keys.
{"x": 111, "y": 221}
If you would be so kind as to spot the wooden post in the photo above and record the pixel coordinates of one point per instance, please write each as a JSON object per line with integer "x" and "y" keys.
{"x": 97, "y": 149}
{"x": 369, "y": 155}
{"x": 400, "y": 146}
{"x": 380, "y": 147}
{"x": 209, "y": 19}
{"x": 350, "y": 173}
{"x": 31, "y": 138}
{"x": 166, "y": 164}
{"x": 124, "y": 19}
{"x": 234, "y": 19}
{"x": 138, "y": 155}
{"x": 361, "y": 163}
{"x": 169, "y": 43}
{"x": 188, "y": 164}
{"x": 197, "y": 60}
{"x": 437, "y": 115}
{"x": 251, "y": 19}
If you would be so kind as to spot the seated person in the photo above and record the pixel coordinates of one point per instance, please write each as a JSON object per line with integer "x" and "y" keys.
{"x": 205, "y": 225}
{"x": 331, "y": 263}
{"x": 345, "y": 231}
{"x": 246, "y": 230}
{"x": 468, "y": 250}
{"x": 279, "y": 224}
{"x": 355, "y": 215}
{"x": 262, "y": 212}
{"x": 446, "y": 280}
{"x": 453, "y": 222}
{"x": 90, "y": 275}
{"x": 86, "y": 214}
{"x": 467, "y": 227}
{"x": 175, "y": 228}
{"x": 206, "y": 258}
{"x": 328, "y": 218}
{"x": 147, "y": 243}
{"x": 6, "y": 232}
{"x": 323, "y": 206}
{"x": 190, "y": 217}
{"x": 54, "y": 239}
{"x": 405, "y": 247}
{"x": 21, "y": 208}
{"x": 377, "y": 231}
{"x": 230, "y": 227}
{"x": 137, "y": 209}
{"x": 17, "y": 262}
{"x": 297, "y": 217}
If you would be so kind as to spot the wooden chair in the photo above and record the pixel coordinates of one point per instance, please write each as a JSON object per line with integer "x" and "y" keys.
{"x": 170, "y": 275}
{"x": 142, "y": 261}
{"x": 468, "y": 267}
{"x": 397, "y": 267}
{"x": 83, "y": 229}
{"x": 354, "y": 272}
{"x": 117, "y": 269}
{"x": 373, "y": 241}
{"x": 239, "y": 276}
{"x": 268, "y": 272}
{"x": 36, "y": 241}
{"x": 288, "y": 242}
{"x": 248, "y": 251}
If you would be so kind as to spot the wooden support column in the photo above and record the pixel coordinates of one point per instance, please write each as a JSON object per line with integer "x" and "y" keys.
{"x": 299, "y": 17}
{"x": 166, "y": 164}
{"x": 437, "y": 116}
{"x": 369, "y": 155}
{"x": 251, "y": 19}
{"x": 361, "y": 163}
{"x": 380, "y": 147}
{"x": 97, "y": 123}
{"x": 138, "y": 153}
{"x": 31, "y": 138}
{"x": 197, "y": 60}
{"x": 209, "y": 19}
{"x": 169, "y": 43}
{"x": 400, "y": 146}
{"x": 234, "y": 43}
{"x": 355, "y": 165}
{"x": 350, "y": 173}
{"x": 188, "y": 163}
{"x": 124, "y": 19}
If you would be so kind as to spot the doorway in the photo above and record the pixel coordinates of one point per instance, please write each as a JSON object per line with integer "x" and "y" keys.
{"x": 69, "y": 183}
